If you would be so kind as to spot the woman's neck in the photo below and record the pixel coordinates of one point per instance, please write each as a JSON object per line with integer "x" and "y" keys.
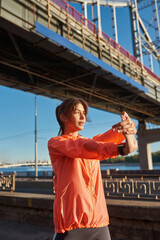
{"x": 73, "y": 134}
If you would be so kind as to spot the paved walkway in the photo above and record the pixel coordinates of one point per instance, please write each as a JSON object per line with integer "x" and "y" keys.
{"x": 13, "y": 230}
{"x": 126, "y": 202}
{"x": 10, "y": 230}
{"x": 26, "y": 195}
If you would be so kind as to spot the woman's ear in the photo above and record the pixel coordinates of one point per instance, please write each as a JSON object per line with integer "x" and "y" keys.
{"x": 62, "y": 117}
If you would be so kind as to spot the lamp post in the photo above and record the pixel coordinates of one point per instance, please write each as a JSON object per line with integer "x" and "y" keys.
{"x": 36, "y": 167}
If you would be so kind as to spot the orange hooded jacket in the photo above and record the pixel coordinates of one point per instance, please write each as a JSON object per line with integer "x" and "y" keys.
{"x": 79, "y": 196}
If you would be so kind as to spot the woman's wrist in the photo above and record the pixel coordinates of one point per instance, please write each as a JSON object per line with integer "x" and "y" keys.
{"x": 121, "y": 149}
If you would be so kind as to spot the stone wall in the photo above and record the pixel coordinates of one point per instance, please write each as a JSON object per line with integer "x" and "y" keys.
{"x": 133, "y": 220}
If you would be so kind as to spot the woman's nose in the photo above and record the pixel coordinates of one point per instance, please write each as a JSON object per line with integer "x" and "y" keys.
{"x": 82, "y": 116}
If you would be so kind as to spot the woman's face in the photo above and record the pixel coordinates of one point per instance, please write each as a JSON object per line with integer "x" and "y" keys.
{"x": 76, "y": 120}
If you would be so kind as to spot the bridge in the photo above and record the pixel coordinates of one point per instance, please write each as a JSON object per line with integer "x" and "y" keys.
{"x": 48, "y": 48}
{"x": 25, "y": 164}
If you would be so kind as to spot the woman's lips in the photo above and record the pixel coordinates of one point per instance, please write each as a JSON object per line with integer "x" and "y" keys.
{"x": 81, "y": 123}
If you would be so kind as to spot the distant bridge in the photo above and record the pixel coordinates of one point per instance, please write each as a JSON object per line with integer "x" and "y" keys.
{"x": 24, "y": 165}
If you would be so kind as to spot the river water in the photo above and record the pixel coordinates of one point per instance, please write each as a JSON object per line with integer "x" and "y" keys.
{"x": 31, "y": 169}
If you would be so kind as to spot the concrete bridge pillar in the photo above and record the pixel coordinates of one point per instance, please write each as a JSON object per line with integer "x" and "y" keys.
{"x": 145, "y": 137}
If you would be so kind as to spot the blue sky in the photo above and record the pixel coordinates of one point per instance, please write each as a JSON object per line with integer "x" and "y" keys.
{"x": 17, "y": 125}
{"x": 17, "y": 110}
{"x": 18, "y": 119}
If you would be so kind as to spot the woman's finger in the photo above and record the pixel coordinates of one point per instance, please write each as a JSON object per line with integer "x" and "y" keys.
{"x": 121, "y": 124}
{"x": 131, "y": 131}
{"x": 124, "y": 129}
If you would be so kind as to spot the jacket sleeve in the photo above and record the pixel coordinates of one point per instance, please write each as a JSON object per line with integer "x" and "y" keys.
{"x": 110, "y": 136}
{"x": 81, "y": 148}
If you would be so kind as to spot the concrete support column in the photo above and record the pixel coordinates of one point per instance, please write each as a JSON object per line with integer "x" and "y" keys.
{"x": 145, "y": 137}
{"x": 145, "y": 156}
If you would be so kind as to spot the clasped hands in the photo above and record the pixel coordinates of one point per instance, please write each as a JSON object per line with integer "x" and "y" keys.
{"x": 126, "y": 126}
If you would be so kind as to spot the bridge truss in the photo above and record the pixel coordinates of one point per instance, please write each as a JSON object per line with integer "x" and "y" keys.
{"x": 145, "y": 32}
{"x": 50, "y": 49}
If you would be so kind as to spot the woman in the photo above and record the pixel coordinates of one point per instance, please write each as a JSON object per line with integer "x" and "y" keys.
{"x": 80, "y": 210}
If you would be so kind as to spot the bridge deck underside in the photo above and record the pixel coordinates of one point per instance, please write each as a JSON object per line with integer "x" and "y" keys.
{"x": 33, "y": 63}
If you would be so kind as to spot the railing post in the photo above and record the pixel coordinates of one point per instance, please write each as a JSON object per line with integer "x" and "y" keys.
{"x": 67, "y": 21}
{"x": 99, "y": 44}
{"x": 49, "y": 14}
{"x": 13, "y": 182}
{"x": 83, "y": 38}
{"x": 34, "y": 13}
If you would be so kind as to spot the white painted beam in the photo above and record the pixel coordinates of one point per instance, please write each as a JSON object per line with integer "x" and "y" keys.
{"x": 123, "y": 3}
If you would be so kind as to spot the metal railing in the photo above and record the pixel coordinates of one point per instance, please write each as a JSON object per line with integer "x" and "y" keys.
{"x": 135, "y": 185}
{"x": 7, "y": 182}
{"x": 132, "y": 186}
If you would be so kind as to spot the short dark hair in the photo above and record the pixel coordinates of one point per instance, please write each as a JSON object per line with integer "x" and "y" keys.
{"x": 66, "y": 108}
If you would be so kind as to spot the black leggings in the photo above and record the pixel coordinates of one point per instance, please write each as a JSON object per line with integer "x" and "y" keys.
{"x": 101, "y": 233}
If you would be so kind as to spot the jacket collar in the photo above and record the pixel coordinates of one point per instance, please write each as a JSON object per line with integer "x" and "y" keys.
{"x": 70, "y": 136}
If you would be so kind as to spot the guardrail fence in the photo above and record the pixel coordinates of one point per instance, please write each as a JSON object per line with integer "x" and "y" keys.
{"x": 133, "y": 186}
{"x": 7, "y": 182}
